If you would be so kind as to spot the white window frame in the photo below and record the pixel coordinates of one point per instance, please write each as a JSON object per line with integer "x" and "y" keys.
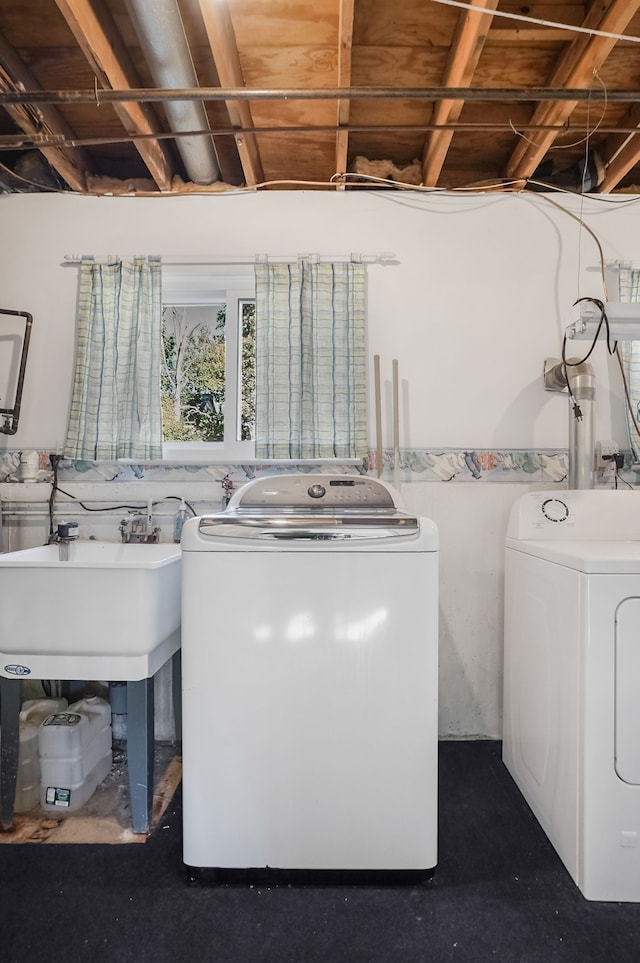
{"x": 193, "y": 285}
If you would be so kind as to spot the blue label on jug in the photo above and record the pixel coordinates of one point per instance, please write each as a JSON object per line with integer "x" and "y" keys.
{"x": 63, "y": 719}
{"x": 17, "y": 669}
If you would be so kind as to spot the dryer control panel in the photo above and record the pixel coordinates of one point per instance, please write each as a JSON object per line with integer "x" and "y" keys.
{"x": 587, "y": 515}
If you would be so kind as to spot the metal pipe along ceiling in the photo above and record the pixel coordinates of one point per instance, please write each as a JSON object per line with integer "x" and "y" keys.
{"x": 161, "y": 34}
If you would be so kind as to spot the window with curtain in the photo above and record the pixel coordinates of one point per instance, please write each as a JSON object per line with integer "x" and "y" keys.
{"x": 629, "y": 287}
{"x": 115, "y": 408}
{"x": 208, "y": 376}
{"x": 311, "y": 360}
{"x": 310, "y": 366}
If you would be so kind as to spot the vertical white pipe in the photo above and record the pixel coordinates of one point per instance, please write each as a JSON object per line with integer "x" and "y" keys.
{"x": 578, "y": 376}
{"x": 581, "y": 429}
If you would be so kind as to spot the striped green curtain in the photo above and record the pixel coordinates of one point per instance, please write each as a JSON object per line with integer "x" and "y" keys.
{"x": 115, "y": 408}
{"x": 629, "y": 281}
{"x": 311, "y": 360}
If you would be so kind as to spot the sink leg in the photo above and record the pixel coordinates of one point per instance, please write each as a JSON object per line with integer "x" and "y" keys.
{"x": 176, "y": 683}
{"x": 73, "y": 690}
{"x": 140, "y": 752}
{"x": 9, "y": 747}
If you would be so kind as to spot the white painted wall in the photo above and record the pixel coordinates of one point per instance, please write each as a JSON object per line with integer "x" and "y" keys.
{"x": 477, "y": 301}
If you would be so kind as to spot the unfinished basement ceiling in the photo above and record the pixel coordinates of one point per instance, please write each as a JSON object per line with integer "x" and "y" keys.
{"x": 291, "y": 94}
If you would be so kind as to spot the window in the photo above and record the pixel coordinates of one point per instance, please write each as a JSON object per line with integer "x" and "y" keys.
{"x": 208, "y": 373}
{"x": 311, "y": 368}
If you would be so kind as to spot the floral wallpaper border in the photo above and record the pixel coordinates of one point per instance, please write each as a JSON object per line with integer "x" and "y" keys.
{"x": 444, "y": 465}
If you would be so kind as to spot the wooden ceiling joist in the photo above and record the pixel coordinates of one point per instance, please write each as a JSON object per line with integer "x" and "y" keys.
{"x": 620, "y": 164}
{"x": 105, "y": 51}
{"x": 345, "y": 43}
{"x": 224, "y": 49}
{"x": 622, "y": 151}
{"x": 575, "y": 69}
{"x": 468, "y": 40}
{"x": 70, "y": 164}
{"x": 283, "y": 107}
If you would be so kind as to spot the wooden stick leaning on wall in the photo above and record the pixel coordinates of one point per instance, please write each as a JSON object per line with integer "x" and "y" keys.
{"x": 396, "y": 426}
{"x": 376, "y": 375}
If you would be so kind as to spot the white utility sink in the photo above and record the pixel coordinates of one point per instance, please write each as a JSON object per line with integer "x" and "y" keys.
{"x": 112, "y": 611}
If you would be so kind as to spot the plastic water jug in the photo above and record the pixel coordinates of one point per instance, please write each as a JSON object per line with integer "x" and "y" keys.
{"x": 32, "y": 713}
{"x": 75, "y": 753}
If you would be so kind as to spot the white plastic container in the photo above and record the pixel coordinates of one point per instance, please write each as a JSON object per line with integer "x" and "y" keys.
{"x": 75, "y": 753}
{"x": 32, "y": 713}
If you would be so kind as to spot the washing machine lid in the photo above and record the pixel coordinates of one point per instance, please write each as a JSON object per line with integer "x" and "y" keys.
{"x": 590, "y": 556}
{"x": 312, "y": 510}
{"x": 330, "y": 526}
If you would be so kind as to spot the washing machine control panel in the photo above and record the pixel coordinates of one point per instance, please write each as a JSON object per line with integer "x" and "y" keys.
{"x": 315, "y": 491}
{"x": 555, "y": 510}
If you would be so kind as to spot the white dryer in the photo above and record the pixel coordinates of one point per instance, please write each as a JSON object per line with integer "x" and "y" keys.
{"x": 572, "y": 679}
{"x": 310, "y": 675}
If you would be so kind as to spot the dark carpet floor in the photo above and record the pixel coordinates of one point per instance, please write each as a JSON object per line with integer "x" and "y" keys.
{"x": 499, "y": 893}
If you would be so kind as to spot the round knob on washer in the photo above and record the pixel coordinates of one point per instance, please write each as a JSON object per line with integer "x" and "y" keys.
{"x": 316, "y": 491}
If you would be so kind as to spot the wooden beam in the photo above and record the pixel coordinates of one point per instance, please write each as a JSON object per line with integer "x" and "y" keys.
{"x": 345, "y": 44}
{"x": 224, "y": 49}
{"x": 103, "y": 47}
{"x": 524, "y": 36}
{"x": 575, "y": 69}
{"x": 621, "y": 151}
{"x": 468, "y": 40}
{"x": 619, "y": 165}
{"x": 70, "y": 163}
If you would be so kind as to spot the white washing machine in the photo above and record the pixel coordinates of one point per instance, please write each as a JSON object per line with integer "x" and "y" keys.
{"x": 310, "y": 674}
{"x": 572, "y": 679}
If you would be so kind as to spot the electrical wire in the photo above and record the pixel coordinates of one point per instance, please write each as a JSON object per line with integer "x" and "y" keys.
{"x": 615, "y": 351}
{"x": 54, "y": 460}
{"x": 117, "y": 508}
{"x": 360, "y": 180}
{"x": 604, "y": 320}
{"x": 618, "y": 477}
{"x": 55, "y": 488}
{"x": 586, "y": 227}
{"x": 339, "y": 181}
{"x": 591, "y": 31}
{"x": 583, "y": 140}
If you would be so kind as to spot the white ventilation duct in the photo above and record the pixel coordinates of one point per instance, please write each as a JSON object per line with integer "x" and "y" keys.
{"x": 161, "y": 34}
{"x": 578, "y": 376}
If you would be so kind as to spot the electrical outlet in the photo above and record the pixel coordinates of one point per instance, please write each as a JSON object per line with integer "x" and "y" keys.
{"x": 605, "y": 453}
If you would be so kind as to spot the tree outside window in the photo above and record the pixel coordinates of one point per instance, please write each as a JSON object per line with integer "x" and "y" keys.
{"x": 194, "y": 378}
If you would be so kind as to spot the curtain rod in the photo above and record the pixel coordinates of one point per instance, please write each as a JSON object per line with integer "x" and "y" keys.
{"x": 619, "y": 265}
{"x": 382, "y": 258}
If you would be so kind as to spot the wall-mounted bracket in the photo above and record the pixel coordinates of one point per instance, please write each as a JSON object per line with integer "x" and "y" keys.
{"x": 11, "y": 415}
{"x": 554, "y": 375}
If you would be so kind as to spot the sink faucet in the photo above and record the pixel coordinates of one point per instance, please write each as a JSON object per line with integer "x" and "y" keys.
{"x": 139, "y": 528}
{"x": 66, "y": 533}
